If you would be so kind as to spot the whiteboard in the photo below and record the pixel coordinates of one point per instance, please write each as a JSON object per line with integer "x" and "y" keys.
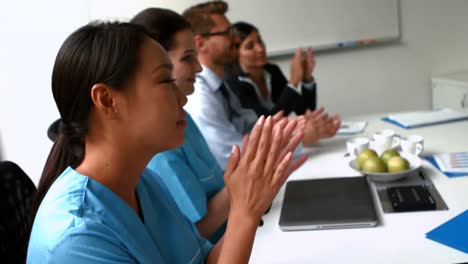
{"x": 288, "y": 24}
{"x": 320, "y": 24}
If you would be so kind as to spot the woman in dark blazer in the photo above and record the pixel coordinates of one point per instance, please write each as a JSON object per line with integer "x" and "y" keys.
{"x": 262, "y": 86}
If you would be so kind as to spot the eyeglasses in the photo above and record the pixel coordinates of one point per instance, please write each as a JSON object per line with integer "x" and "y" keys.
{"x": 230, "y": 31}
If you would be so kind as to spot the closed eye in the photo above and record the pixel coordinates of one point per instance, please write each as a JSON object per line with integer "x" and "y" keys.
{"x": 168, "y": 80}
{"x": 189, "y": 55}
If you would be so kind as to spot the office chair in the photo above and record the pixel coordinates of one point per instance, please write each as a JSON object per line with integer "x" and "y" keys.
{"x": 16, "y": 194}
{"x": 52, "y": 131}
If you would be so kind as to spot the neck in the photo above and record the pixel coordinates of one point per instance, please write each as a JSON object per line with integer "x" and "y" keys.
{"x": 115, "y": 166}
{"x": 219, "y": 69}
{"x": 255, "y": 73}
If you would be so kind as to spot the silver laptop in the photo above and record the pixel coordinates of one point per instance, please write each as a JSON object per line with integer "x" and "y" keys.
{"x": 328, "y": 204}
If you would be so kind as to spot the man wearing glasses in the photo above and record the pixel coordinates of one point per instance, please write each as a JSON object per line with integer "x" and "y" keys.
{"x": 213, "y": 105}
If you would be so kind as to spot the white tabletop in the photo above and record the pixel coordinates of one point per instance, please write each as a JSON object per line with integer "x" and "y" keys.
{"x": 398, "y": 238}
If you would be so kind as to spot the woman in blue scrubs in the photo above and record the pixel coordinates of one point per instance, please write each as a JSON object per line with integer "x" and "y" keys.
{"x": 119, "y": 106}
{"x": 191, "y": 172}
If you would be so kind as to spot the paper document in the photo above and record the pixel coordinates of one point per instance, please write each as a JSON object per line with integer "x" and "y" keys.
{"x": 433, "y": 161}
{"x": 424, "y": 118}
{"x": 452, "y": 162}
{"x": 350, "y": 128}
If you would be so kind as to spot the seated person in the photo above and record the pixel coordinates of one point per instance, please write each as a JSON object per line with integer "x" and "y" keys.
{"x": 262, "y": 86}
{"x": 190, "y": 172}
{"x": 214, "y": 106}
{"x": 119, "y": 106}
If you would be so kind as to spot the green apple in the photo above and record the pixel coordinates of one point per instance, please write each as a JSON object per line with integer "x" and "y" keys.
{"x": 364, "y": 155}
{"x": 397, "y": 164}
{"x": 386, "y": 155}
{"x": 374, "y": 164}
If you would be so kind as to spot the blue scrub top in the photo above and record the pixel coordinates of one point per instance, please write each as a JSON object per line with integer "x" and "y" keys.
{"x": 191, "y": 174}
{"x": 82, "y": 221}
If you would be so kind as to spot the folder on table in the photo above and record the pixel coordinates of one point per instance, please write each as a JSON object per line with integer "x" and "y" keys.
{"x": 425, "y": 118}
{"x": 453, "y": 233}
{"x": 433, "y": 161}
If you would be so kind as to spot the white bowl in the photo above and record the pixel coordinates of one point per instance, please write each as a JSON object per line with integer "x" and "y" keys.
{"x": 414, "y": 161}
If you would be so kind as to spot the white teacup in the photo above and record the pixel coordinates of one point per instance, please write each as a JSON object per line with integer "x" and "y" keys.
{"x": 413, "y": 144}
{"x": 356, "y": 145}
{"x": 386, "y": 139}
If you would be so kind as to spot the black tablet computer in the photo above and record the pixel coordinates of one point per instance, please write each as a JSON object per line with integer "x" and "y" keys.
{"x": 344, "y": 202}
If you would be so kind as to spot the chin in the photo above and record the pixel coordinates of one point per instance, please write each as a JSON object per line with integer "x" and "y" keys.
{"x": 189, "y": 91}
{"x": 174, "y": 143}
{"x": 187, "y": 87}
{"x": 179, "y": 143}
{"x": 180, "y": 136}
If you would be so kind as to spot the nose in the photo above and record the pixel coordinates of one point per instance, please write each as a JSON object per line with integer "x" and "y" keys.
{"x": 259, "y": 47}
{"x": 181, "y": 98}
{"x": 197, "y": 65}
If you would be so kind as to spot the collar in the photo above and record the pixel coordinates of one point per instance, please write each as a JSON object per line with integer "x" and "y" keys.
{"x": 267, "y": 77}
{"x": 210, "y": 78}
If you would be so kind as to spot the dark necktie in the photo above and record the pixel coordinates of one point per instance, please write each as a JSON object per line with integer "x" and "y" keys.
{"x": 242, "y": 119}
{"x": 231, "y": 108}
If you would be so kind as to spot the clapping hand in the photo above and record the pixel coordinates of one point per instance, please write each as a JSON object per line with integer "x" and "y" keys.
{"x": 254, "y": 176}
{"x": 297, "y": 68}
{"x": 308, "y": 65}
{"x": 320, "y": 125}
{"x": 302, "y": 68}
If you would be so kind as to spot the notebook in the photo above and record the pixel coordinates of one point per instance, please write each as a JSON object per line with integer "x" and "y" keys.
{"x": 426, "y": 118}
{"x": 327, "y": 204}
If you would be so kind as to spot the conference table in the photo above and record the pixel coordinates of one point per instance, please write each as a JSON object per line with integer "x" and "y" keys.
{"x": 398, "y": 237}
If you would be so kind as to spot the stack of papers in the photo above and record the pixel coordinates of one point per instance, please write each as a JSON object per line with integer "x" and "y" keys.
{"x": 452, "y": 162}
{"x": 351, "y": 128}
{"x": 453, "y": 233}
{"x": 426, "y": 118}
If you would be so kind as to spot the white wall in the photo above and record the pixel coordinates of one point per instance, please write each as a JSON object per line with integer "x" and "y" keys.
{"x": 396, "y": 77}
{"x": 378, "y": 79}
{"x": 31, "y": 33}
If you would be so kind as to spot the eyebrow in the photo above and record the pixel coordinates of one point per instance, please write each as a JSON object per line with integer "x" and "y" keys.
{"x": 169, "y": 66}
{"x": 189, "y": 51}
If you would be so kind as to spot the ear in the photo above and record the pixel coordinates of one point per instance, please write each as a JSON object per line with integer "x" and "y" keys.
{"x": 199, "y": 43}
{"x": 104, "y": 100}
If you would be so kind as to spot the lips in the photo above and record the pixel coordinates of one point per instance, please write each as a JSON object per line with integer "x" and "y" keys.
{"x": 182, "y": 115}
{"x": 181, "y": 122}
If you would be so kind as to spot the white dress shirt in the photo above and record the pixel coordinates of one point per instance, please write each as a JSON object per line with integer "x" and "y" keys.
{"x": 211, "y": 113}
